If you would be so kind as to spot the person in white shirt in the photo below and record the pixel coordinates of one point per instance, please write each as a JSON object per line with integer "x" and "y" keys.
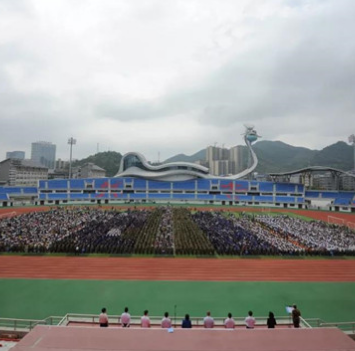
{"x": 229, "y": 322}
{"x": 208, "y": 321}
{"x": 125, "y": 318}
{"x": 103, "y": 318}
{"x": 250, "y": 321}
{"x": 145, "y": 320}
{"x": 166, "y": 321}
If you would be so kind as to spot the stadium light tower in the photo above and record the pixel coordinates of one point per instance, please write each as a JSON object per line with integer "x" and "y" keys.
{"x": 352, "y": 141}
{"x": 71, "y": 142}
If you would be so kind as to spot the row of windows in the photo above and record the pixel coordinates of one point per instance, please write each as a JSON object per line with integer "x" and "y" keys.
{"x": 131, "y": 191}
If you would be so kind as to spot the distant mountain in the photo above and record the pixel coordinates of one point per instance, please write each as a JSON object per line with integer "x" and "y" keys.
{"x": 339, "y": 155}
{"x": 109, "y": 161}
{"x": 200, "y": 155}
{"x": 277, "y": 156}
{"x": 273, "y": 156}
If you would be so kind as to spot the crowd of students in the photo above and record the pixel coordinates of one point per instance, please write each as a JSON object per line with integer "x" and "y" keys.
{"x": 207, "y": 322}
{"x": 167, "y": 231}
{"x": 312, "y": 236}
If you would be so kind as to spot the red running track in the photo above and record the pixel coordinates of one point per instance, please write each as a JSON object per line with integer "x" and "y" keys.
{"x": 178, "y": 269}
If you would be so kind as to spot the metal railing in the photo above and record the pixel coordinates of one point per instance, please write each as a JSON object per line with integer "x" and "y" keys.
{"x": 16, "y": 324}
{"x": 25, "y": 325}
{"x": 176, "y": 320}
{"x": 53, "y": 320}
{"x": 314, "y": 322}
{"x": 348, "y": 327}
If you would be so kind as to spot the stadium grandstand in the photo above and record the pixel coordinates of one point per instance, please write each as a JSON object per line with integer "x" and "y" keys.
{"x": 137, "y": 181}
{"x": 119, "y": 190}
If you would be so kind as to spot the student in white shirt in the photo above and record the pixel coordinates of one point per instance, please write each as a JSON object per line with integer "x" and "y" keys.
{"x": 103, "y": 318}
{"x": 208, "y": 321}
{"x": 229, "y": 322}
{"x": 125, "y": 318}
{"x": 145, "y": 320}
{"x": 250, "y": 321}
{"x": 166, "y": 321}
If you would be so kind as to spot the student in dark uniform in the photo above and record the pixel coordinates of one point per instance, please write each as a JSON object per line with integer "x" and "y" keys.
{"x": 271, "y": 321}
{"x": 186, "y": 323}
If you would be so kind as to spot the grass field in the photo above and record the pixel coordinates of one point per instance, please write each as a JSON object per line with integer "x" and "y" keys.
{"x": 37, "y": 299}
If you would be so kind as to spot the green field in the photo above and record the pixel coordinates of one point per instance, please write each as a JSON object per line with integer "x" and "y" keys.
{"x": 37, "y": 298}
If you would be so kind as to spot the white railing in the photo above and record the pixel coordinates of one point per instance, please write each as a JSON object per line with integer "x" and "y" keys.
{"x": 344, "y": 326}
{"x": 176, "y": 320}
{"x": 25, "y": 325}
{"x": 16, "y": 324}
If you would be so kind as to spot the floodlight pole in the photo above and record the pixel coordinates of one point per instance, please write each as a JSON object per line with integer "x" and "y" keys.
{"x": 352, "y": 141}
{"x": 71, "y": 142}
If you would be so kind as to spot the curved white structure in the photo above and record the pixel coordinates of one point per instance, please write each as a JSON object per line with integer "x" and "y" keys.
{"x": 134, "y": 164}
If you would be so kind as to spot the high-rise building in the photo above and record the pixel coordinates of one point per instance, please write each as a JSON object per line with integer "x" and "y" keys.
{"x": 223, "y": 161}
{"x": 19, "y": 155}
{"x": 347, "y": 182}
{"x": 43, "y": 153}
{"x": 237, "y": 159}
{"x": 214, "y": 155}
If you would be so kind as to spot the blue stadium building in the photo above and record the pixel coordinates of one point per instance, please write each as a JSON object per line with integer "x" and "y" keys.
{"x": 139, "y": 182}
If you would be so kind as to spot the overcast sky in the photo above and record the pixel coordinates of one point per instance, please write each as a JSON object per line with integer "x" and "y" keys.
{"x": 174, "y": 76}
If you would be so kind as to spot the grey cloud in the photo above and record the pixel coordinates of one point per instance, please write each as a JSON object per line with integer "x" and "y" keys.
{"x": 301, "y": 78}
{"x": 294, "y": 75}
{"x": 17, "y": 6}
{"x": 300, "y": 68}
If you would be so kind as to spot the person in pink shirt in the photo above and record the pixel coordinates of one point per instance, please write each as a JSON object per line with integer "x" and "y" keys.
{"x": 229, "y": 322}
{"x": 145, "y": 320}
{"x": 208, "y": 321}
{"x": 250, "y": 321}
{"x": 125, "y": 318}
{"x": 103, "y": 319}
{"x": 166, "y": 321}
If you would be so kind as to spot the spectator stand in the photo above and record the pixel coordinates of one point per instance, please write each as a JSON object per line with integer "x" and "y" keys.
{"x": 46, "y": 338}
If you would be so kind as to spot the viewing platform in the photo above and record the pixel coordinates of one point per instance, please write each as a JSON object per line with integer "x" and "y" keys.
{"x": 47, "y": 338}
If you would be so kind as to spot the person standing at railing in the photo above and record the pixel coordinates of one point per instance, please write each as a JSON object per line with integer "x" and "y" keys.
{"x": 208, "y": 321}
{"x": 145, "y": 320}
{"x": 296, "y": 314}
{"x": 103, "y": 318}
{"x": 229, "y": 322}
{"x": 166, "y": 321}
{"x": 125, "y": 318}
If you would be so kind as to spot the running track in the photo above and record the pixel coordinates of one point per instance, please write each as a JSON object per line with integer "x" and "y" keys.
{"x": 178, "y": 269}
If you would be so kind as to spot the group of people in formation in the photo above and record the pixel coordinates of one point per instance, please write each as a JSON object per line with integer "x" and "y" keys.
{"x": 208, "y": 321}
